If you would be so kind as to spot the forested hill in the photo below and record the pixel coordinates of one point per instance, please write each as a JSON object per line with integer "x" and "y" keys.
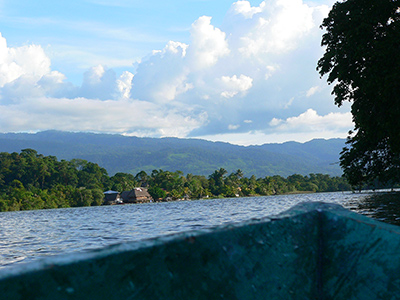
{"x": 118, "y": 153}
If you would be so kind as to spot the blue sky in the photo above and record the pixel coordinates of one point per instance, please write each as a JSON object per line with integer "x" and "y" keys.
{"x": 241, "y": 72}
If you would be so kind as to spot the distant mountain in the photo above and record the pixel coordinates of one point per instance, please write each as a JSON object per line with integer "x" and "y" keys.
{"x": 117, "y": 153}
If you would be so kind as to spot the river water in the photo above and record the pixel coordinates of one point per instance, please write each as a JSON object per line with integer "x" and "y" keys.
{"x": 29, "y": 235}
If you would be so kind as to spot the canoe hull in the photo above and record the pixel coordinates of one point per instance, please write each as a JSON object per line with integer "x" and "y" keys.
{"x": 313, "y": 251}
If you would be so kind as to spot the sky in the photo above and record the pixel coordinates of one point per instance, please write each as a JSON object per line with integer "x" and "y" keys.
{"x": 241, "y": 72}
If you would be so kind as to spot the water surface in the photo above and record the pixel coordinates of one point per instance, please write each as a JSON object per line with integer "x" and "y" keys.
{"x": 29, "y": 235}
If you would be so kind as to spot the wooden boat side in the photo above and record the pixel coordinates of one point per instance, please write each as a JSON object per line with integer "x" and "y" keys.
{"x": 313, "y": 251}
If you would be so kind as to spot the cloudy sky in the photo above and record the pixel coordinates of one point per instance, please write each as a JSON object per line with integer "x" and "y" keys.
{"x": 241, "y": 72}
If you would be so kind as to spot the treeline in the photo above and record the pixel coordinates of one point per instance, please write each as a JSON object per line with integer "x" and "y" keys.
{"x": 29, "y": 180}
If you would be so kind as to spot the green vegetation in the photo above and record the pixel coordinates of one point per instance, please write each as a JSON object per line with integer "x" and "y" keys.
{"x": 128, "y": 154}
{"x": 29, "y": 180}
{"x": 362, "y": 59}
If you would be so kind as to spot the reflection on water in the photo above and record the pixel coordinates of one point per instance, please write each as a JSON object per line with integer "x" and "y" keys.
{"x": 383, "y": 207}
{"x": 29, "y": 235}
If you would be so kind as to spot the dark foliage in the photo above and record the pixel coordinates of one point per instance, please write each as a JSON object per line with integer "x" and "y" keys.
{"x": 362, "y": 59}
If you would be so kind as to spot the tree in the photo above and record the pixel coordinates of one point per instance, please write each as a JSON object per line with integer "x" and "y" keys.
{"x": 66, "y": 173}
{"x": 197, "y": 186}
{"x": 362, "y": 58}
{"x": 216, "y": 181}
{"x": 157, "y": 193}
{"x": 92, "y": 176}
{"x": 123, "y": 182}
{"x": 142, "y": 178}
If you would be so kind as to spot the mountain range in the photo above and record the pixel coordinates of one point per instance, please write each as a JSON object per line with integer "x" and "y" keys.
{"x": 117, "y": 153}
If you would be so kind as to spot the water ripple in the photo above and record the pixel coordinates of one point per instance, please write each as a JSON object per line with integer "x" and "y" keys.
{"x": 29, "y": 235}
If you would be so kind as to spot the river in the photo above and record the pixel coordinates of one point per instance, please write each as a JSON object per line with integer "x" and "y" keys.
{"x": 30, "y": 235}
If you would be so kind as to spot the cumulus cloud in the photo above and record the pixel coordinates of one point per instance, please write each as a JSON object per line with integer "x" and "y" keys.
{"x": 276, "y": 25}
{"x": 124, "y": 85}
{"x": 234, "y": 85}
{"x": 163, "y": 75}
{"x": 98, "y": 83}
{"x": 310, "y": 121}
{"x": 33, "y": 97}
{"x": 258, "y": 65}
{"x": 81, "y": 114}
{"x": 244, "y": 8}
{"x": 21, "y": 61}
{"x": 208, "y": 43}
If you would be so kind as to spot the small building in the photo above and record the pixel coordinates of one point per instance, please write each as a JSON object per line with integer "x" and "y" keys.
{"x": 112, "y": 197}
{"x": 137, "y": 195}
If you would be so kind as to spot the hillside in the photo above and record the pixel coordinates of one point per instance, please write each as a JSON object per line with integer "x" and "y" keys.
{"x": 118, "y": 153}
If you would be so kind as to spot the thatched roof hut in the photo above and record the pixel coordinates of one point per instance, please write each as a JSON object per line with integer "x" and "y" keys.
{"x": 137, "y": 195}
{"x": 112, "y": 197}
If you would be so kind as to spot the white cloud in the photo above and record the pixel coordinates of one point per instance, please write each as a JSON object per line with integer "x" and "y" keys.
{"x": 233, "y": 126}
{"x": 275, "y": 122}
{"x": 26, "y": 60}
{"x": 312, "y": 91}
{"x": 124, "y": 85}
{"x": 196, "y": 73}
{"x": 262, "y": 58}
{"x": 163, "y": 75}
{"x": 33, "y": 98}
{"x": 270, "y": 70}
{"x": 244, "y": 8}
{"x": 234, "y": 85}
{"x": 258, "y": 137}
{"x": 289, "y": 103}
{"x": 99, "y": 83}
{"x": 176, "y": 48}
{"x": 310, "y": 121}
{"x": 208, "y": 43}
{"x": 279, "y": 26}
{"x": 81, "y": 114}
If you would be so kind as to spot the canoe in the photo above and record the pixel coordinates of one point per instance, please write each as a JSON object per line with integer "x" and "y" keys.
{"x": 312, "y": 251}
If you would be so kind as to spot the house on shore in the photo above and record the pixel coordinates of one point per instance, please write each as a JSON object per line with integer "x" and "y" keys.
{"x": 112, "y": 197}
{"x": 137, "y": 195}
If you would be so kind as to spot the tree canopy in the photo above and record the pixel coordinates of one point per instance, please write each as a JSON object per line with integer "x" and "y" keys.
{"x": 362, "y": 60}
{"x": 29, "y": 180}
